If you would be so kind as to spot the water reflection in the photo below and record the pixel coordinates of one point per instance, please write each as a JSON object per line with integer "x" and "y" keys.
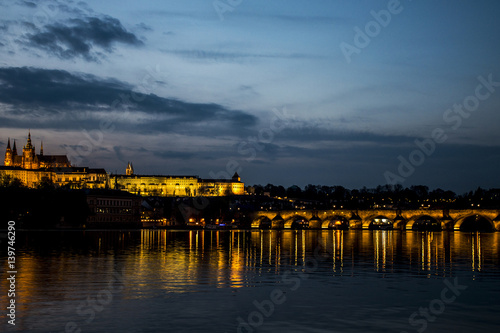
{"x": 177, "y": 261}
{"x": 59, "y": 270}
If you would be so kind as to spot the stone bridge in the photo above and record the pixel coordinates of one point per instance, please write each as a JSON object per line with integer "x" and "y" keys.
{"x": 364, "y": 219}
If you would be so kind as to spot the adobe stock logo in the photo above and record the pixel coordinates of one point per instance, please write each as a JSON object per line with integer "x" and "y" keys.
{"x": 454, "y": 118}
{"x": 420, "y": 319}
{"x": 363, "y": 38}
{"x": 225, "y": 6}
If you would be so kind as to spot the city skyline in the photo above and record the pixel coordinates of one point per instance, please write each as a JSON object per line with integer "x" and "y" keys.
{"x": 287, "y": 93}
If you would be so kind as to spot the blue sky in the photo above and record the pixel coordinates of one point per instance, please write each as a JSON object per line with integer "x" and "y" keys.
{"x": 262, "y": 87}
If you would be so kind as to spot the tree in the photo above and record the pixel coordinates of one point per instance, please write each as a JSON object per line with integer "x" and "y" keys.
{"x": 45, "y": 184}
{"x": 10, "y": 182}
{"x": 259, "y": 189}
{"x": 293, "y": 191}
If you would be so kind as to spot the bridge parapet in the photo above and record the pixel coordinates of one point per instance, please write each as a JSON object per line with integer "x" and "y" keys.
{"x": 362, "y": 219}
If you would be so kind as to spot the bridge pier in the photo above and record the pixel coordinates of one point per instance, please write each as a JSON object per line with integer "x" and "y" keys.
{"x": 355, "y": 224}
{"x": 362, "y": 219}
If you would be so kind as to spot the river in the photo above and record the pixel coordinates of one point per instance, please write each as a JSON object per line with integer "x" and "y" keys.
{"x": 255, "y": 281}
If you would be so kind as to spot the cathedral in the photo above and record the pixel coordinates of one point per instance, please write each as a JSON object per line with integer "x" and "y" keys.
{"x": 33, "y": 169}
{"x": 30, "y": 160}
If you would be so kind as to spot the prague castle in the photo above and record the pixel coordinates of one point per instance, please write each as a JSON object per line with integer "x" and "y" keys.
{"x": 176, "y": 186}
{"x": 33, "y": 169}
{"x": 30, "y": 160}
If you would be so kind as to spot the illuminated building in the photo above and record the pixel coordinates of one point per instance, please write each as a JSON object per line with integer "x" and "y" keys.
{"x": 32, "y": 169}
{"x": 176, "y": 186}
{"x": 30, "y": 160}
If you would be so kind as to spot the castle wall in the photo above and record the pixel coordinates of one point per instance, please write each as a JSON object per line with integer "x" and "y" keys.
{"x": 157, "y": 185}
{"x": 29, "y": 178}
{"x": 170, "y": 186}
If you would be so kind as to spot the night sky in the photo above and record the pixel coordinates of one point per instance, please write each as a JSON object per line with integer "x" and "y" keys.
{"x": 351, "y": 93}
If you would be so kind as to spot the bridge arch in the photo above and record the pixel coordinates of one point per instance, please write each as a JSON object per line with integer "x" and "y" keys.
{"x": 335, "y": 222}
{"x": 423, "y": 222}
{"x": 378, "y": 222}
{"x": 474, "y": 222}
{"x": 262, "y": 222}
{"x": 294, "y": 220}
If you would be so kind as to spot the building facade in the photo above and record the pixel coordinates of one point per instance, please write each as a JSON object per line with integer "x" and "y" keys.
{"x": 176, "y": 186}
{"x": 29, "y": 160}
{"x": 33, "y": 169}
{"x": 113, "y": 208}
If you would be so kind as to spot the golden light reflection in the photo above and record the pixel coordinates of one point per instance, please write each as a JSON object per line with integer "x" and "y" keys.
{"x": 303, "y": 239}
{"x": 173, "y": 262}
{"x": 379, "y": 253}
{"x": 236, "y": 261}
{"x": 477, "y": 257}
{"x": 231, "y": 253}
{"x": 338, "y": 250}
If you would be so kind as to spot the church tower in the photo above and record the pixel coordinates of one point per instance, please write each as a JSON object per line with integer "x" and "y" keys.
{"x": 29, "y": 156}
{"x": 8, "y": 155}
{"x": 14, "y": 151}
{"x": 236, "y": 177}
{"x": 130, "y": 169}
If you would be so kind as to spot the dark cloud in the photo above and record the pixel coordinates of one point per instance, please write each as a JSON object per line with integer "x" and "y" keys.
{"x": 82, "y": 37}
{"x": 59, "y": 99}
{"x": 144, "y": 26}
{"x": 168, "y": 155}
{"x": 28, "y": 4}
{"x": 307, "y": 132}
{"x": 232, "y": 56}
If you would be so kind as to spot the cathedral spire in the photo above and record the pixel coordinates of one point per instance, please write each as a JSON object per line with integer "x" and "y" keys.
{"x": 14, "y": 148}
{"x": 28, "y": 145}
{"x": 8, "y": 155}
{"x": 41, "y": 148}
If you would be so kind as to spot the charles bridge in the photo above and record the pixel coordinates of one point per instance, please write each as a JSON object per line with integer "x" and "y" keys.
{"x": 364, "y": 219}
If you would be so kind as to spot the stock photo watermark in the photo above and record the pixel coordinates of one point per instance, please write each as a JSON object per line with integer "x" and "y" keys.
{"x": 95, "y": 138}
{"x": 454, "y": 118}
{"x": 11, "y": 272}
{"x": 363, "y": 37}
{"x": 45, "y": 12}
{"x": 291, "y": 281}
{"x": 420, "y": 319}
{"x": 224, "y": 6}
{"x": 96, "y": 303}
{"x": 250, "y": 147}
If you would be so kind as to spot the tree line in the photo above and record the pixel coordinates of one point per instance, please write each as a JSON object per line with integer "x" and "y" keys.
{"x": 382, "y": 196}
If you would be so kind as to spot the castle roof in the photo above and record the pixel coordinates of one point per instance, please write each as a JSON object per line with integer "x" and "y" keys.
{"x": 59, "y": 159}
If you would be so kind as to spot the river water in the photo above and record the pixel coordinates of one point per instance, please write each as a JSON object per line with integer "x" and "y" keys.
{"x": 255, "y": 281}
